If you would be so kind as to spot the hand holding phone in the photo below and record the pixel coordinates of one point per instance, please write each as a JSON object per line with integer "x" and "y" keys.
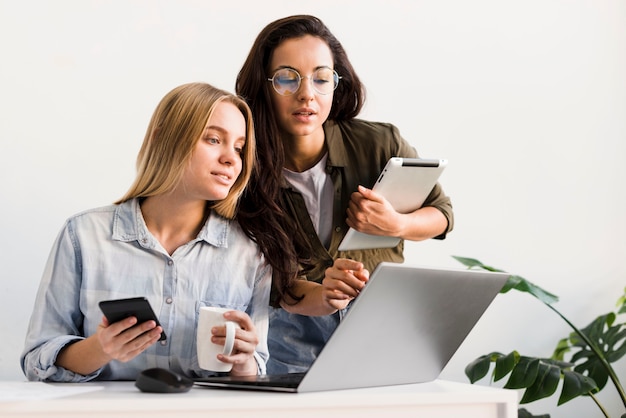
{"x": 139, "y": 307}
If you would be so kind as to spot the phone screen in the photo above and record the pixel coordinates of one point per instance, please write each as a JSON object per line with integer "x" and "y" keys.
{"x": 118, "y": 309}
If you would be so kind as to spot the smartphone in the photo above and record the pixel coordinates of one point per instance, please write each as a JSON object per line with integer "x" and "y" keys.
{"x": 118, "y": 309}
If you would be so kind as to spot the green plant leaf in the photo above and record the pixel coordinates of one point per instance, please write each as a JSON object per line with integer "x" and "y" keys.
{"x": 594, "y": 369}
{"x": 546, "y": 383}
{"x": 478, "y": 368}
{"x": 513, "y": 282}
{"x": 541, "y": 294}
{"x": 616, "y": 353}
{"x": 562, "y": 347}
{"x": 523, "y": 413}
{"x": 621, "y": 303}
{"x": 504, "y": 365}
{"x": 472, "y": 262}
{"x": 524, "y": 373}
{"x": 593, "y": 349}
{"x": 574, "y": 385}
{"x": 609, "y": 339}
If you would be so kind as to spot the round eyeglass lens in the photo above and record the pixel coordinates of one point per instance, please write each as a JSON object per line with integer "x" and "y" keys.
{"x": 286, "y": 81}
{"x": 325, "y": 80}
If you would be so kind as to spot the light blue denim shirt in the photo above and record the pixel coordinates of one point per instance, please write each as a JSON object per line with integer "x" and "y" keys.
{"x": 108, "y": 253}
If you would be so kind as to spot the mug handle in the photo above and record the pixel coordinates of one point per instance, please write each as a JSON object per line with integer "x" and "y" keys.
{"x": 229, "y": 344}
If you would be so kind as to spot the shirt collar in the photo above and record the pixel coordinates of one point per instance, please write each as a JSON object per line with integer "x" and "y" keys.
{"x": 129, "y": 225}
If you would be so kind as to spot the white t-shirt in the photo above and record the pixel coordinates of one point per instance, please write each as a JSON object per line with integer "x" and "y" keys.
{"x": 316, "y": 187}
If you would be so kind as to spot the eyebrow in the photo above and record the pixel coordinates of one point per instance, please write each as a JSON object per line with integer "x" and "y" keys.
{"x": 282, "y": 67}
{"x": 214, "y": 127}
{"x": 222, "y": 130}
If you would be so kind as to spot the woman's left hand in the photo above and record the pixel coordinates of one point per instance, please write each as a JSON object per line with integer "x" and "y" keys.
{"x": 246, "y": 340}
{"x": 343, "y": 282}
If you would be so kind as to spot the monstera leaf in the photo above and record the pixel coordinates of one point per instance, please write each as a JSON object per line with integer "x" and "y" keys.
{"x": 608, "y": 337}
{"x": 592, "y": 349}
{"x": 514, "y": 282}
{"x": 539, "y": 377}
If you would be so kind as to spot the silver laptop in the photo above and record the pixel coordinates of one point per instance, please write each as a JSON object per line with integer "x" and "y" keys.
{"x": 405, "y": 183}
{"x": 418, "y": 316}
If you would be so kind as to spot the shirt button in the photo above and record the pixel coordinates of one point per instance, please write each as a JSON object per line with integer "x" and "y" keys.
{"x": 168, "y": 301}
{"x": 164, "y": 342}
{"x": 337, "y": 229}
{"x": 170, "y": 262}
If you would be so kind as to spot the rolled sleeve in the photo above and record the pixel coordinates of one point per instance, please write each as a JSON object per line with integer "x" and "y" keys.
{"x": 39, "y": 363}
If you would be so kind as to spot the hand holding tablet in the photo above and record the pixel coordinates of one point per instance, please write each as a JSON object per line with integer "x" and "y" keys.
{"x": 405, "y": 183}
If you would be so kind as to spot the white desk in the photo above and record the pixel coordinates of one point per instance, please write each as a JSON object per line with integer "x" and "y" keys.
{"x": 436, "y": 399}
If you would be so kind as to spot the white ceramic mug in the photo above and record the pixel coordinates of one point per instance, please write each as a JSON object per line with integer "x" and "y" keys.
{"x": 208, "y": 318}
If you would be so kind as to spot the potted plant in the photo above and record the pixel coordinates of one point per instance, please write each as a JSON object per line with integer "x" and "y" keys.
{"x": 591, "y": 350}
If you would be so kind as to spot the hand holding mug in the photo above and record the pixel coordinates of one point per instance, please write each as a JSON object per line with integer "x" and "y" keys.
{"x": 226, "y": 340}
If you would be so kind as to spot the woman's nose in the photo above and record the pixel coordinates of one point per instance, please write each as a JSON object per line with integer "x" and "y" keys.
{"x": 306, "y": 92}
{"x": 228, "y": 156}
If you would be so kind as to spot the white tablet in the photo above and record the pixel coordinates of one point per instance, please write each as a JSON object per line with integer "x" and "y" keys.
{"x": 405, "y": 183}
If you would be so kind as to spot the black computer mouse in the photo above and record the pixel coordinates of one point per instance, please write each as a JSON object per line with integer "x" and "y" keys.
{"x": 158, "y": 380}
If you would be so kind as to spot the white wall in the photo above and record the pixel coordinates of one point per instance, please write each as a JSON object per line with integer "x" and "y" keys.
{"x": 526, "y": 99}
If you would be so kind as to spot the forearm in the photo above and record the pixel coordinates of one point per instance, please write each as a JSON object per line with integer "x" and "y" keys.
{"x": 425, "y": 223}
{"x": 83, "y": 357}
{"x": 312, "y": 303}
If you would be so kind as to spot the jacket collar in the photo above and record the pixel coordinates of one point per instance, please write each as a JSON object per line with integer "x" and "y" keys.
{"x": 337, "y": 155}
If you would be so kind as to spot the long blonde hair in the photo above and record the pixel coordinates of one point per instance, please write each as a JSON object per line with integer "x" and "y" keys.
{"x": 175, "y": 127}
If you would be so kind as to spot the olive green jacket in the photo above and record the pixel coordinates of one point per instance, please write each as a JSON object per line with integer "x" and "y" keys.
{"x": 357, "y": 152}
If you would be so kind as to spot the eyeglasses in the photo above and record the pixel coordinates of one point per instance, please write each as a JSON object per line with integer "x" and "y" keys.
{"x": 286, "y": 81}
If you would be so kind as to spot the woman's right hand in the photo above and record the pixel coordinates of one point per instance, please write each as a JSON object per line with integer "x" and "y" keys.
{"x": 124, "y": 340}
{"x": 121, "y": 341}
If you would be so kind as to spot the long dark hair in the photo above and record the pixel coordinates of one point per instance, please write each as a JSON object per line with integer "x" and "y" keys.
{"x": 252, "y": 85}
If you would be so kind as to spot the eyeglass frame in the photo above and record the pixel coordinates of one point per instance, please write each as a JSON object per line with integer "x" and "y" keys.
{"x": 336, "y": 77}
